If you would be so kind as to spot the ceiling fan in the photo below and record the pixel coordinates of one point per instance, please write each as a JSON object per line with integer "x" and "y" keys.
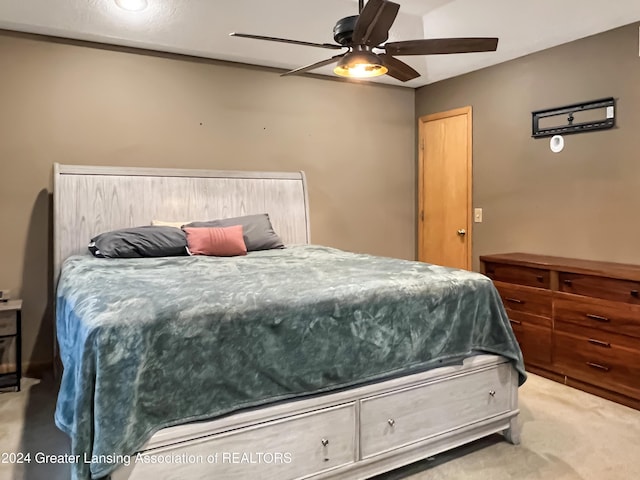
{"x": 364, "y": 36}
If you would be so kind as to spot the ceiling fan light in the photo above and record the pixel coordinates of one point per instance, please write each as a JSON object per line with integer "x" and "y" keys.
{"x": 361, "y": 64}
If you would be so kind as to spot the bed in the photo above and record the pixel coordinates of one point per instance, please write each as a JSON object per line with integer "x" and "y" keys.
{"x": 302, "y": 362}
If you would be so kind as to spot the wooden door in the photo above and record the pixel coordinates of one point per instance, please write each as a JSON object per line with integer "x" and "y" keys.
{"x": 444, "y": 188}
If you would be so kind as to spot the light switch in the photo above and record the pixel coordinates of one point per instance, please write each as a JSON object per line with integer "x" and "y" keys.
{"x": 477, "y": 215}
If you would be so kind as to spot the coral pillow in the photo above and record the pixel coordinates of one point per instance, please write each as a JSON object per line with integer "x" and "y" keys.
{"x": 257, "y": 230}
{"x": 216, "y": 241}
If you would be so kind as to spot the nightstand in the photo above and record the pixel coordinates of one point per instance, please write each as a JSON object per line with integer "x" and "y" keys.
{"x": 10, "y": 344}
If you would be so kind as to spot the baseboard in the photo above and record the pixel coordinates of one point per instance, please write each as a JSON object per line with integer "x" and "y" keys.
{"x": 601, "y": 392}
{"x": 37, "y": 369}
{"x": 556, "y": 377}
{"x": 29, "y": 369}
{"x": 586, "y": 387}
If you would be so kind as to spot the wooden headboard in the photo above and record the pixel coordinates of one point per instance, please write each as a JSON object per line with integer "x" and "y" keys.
{"x": 91, "y": 200}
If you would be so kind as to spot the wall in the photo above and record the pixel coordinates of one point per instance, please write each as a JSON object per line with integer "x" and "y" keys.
{"x": 582, "y": 202}
{"x": 78, "y": 103}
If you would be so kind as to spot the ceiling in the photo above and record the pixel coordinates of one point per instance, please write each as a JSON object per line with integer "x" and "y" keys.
{"x": 201, "y": 27}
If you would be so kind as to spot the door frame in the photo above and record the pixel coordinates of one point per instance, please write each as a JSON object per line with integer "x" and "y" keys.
{"x": 421, "y": 199}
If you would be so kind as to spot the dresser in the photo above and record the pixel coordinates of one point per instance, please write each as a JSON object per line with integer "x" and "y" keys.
{"x": 577, "y": 321}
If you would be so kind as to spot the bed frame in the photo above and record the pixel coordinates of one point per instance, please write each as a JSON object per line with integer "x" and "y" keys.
{"x": 350, "y": 434}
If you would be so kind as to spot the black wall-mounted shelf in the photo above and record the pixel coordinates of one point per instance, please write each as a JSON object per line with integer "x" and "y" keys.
{"x": 608, "y": 122}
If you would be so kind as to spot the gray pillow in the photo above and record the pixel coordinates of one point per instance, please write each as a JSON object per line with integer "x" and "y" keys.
{"x": 136, "y": 242}
{"x": 257, "y": 230}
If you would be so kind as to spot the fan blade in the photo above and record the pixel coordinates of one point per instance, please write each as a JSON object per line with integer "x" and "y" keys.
{"x": 398, "y": 69}
{"x": 438, "y": 46}
{"x": 374, "y": 22}
{"x": 286, "y": 40}
{"x": 313, "y": 66}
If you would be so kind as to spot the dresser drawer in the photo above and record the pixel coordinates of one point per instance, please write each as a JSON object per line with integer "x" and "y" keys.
{"x": 396, "y": 419}
{"x": 598, "y": 361}
{"x": 534, "y": 340}
{"x": 614, "y": 317}
{"x": 533, "y": 277}
{"x": 8, "y": 354}
{"x": 517, "y": 317}
{"x": 290, "y": 448}
{"x": 600, "y": 287}
{"x": 535, "y": 301}
{"x": 8, "y": 323}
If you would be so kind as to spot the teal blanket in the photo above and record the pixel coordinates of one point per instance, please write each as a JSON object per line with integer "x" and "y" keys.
{"x": 153, "y": 342}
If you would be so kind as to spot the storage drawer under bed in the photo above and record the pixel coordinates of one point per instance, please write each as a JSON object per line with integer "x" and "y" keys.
{"x": 396, "y": 419}
{"x": 289, "y": 448}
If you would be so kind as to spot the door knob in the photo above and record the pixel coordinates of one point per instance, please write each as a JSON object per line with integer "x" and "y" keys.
{"x": 462, "y": 232}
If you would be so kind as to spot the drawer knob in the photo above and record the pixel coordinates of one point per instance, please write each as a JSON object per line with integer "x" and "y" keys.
{"x": 599, "y": 343}
{"x": 597, "y": 366}
{"x": 325, "y": 442}
{"x": 492, "y": 393}
{"x": 391, "y": 422}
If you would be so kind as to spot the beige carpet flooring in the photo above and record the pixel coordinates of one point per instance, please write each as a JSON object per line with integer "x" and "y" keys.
{"x": 566, "y": 435}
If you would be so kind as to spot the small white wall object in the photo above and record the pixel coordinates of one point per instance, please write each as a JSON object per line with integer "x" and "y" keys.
{"x": 556, "y": 143}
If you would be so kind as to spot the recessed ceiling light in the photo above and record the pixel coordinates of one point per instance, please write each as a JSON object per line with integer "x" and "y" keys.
{"x": 132, "y": 5}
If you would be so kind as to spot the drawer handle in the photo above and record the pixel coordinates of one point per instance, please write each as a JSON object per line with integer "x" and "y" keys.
{"x": 634, "y": 293}
{"x": 325, "y": 442}
{"x": 597, "y": 317}
{"x": 540, "y": 278}
{"x": 516, "y": 322}
{"x": 513, "y": 300}
{"x": 568, "y": 282}
{"x": 391, "y": 422}
{"x": 599, "y": 343}
{"x": 598, "y": 366}
{"x": 492, "y": 393}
